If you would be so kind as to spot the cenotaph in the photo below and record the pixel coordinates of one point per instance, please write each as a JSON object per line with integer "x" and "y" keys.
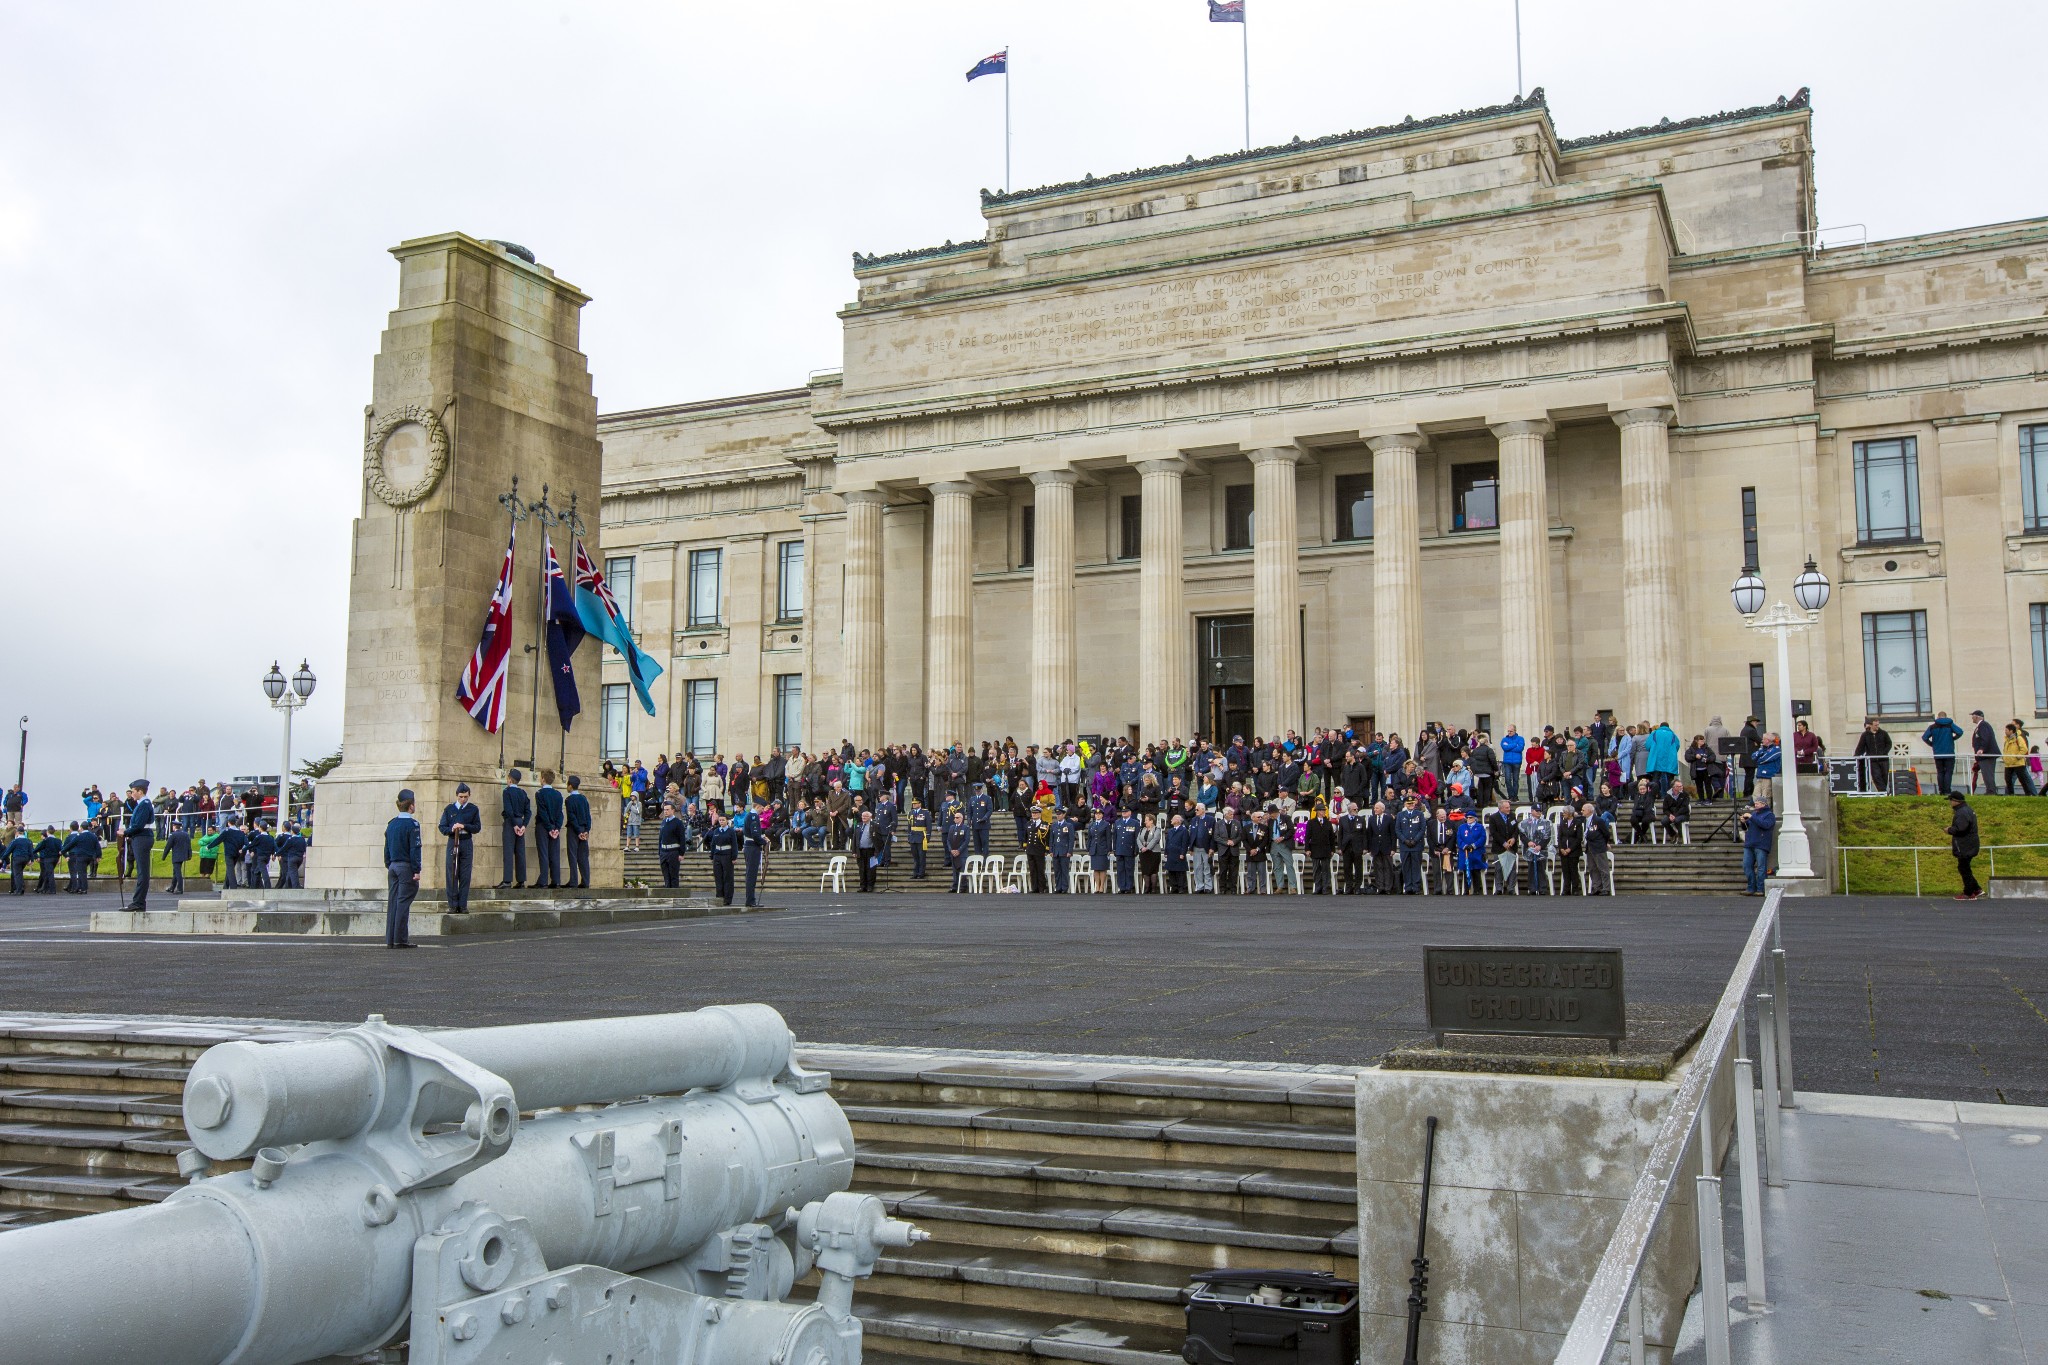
{"x": 479, "y": 379}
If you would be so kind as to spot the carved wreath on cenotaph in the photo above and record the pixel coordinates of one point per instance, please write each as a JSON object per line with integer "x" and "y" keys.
{"x": 403, "y": 472}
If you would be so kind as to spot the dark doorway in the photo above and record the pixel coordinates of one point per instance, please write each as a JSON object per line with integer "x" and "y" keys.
{"x": 1227, "y": 676}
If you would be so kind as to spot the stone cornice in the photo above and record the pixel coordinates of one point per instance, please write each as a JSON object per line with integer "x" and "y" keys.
{"x": 1799, "y": 103}
{"x": 1957, "y": 242}
{"x": 639, "y": 417}
{"x": 628, "y": 488}
{"x": 1816, "y": 334}
{"x": 1673, "y": 318}
{"x": 1940, "y": 338}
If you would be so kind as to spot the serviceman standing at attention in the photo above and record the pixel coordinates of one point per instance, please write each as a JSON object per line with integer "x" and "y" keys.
{"x": 83, "y": 849}
{"x": 461, "y": 822}
{"x": 1124, "y": 840}
{"x": 959, "y": 842}
{"x": 402, "y": 862}
{"x": 722, "y": 842}
{"x": 754, "y": 848}
{"x": 673, "y": 837}
{"x": 979, "y": 811}
{"x": 178, "y": 849}
{"x": 47, "y": 853}
{"x": 919, "y": 826}
{"x": 576, "y": 819}
{"x": 262, "y": 848}
{"x": 141, "y": 833}
{"x": 1060, "y": 843}
{"x": 517, "y": 811}
{"x": 232, "y": 842}
{"x": 291, "y": 857}
{"x": 20, "y": 850}
{"x": 547, "y": 818}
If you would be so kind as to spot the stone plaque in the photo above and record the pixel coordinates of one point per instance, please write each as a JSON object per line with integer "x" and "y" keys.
{"x": 1534, "y": 992}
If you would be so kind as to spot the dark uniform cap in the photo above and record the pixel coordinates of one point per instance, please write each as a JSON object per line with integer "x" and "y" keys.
{"x": 139, "y": 784}
{"x": 461, "y": 787}
{"x": 405, "y": 793}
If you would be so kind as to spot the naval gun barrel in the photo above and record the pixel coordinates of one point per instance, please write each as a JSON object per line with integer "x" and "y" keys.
{"x": 405, "y": 1136}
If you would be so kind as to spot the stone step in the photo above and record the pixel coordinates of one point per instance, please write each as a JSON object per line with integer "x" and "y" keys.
{"x": 1069, "y": 1131}
{"x": 1112, "y": 1227}
{"x": 94, "y": 1146}
{"x": 928, "y": 1329}
{"x": 118, "y": 1110}
{"x": 81, "y": 1189}
{"x": 1146, "y": 1178}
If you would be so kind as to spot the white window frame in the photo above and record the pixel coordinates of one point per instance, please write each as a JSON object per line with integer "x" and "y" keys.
{"x": 706, "y": 585}
{"x": 700, "y": 717}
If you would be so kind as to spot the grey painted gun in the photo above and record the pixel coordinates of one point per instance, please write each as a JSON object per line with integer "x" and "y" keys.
{"x": 395, "y": 1186}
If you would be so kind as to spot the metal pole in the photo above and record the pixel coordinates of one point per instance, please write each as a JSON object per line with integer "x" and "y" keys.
{"x": 145, "y": 757}
{"x": 1788, "y": 1097}
{"x": 1006, "y": 120}
{"x": 284, "y": 774}
{"x": 1635, "y": 1325}
{"x": 1518, "y": 93}
{"x": 1752, "y": 1191}
{"x": 21, "y": 763}
{"x": 1795, "y": 856}
{"x": 1767, "y": 1049}
{"x": 1713, "y": 1268}
{"x": 1245, "y": 38}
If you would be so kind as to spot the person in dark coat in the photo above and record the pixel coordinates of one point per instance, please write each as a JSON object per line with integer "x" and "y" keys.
{"x": 547, "y": 822}
{"x": 669, "y": 844}
{"x": 139, "y": 835}
{"x": 82, "y": 848}
{"x": 262, "y": 848}
{"x": 1321, "y": 844}
{"x": 1179, "y": 842}
{"x": 1758, "y": 824}
{"x": 1962, "y": 841}
{"x": 461, "y": 822}
{"x": 1124, "y": 843}
{"x": 291, "y": 857}
{"x": 753, "y": 848}
{"x": 177, "y": 849}
{"x": 515, "y": 809}
{"x": 1411, "y": 832}
{"x": 233, "y": 840}
{"x": 576, "y": 820}
{"x": 723, "y": 844}
{"x": 959, "y": 843}
{"x": 21, "y": 850}
{"x": 1351, "y": 848}
{"x": 402, "y": 862}
{"x": 1382, "y": 841}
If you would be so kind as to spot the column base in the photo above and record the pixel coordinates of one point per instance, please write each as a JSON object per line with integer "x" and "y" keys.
{"x": 1807, "y": 885}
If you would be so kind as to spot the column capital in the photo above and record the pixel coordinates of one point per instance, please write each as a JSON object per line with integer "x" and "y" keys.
{"x": 1659, "y": 416}
{"x": 1534, "y": 426}
{"x": 1276, "y": 455}
{"x": 865, "y": 497}
{"x": 1173, "y": 465}
{"x": 952, "y": 488}
{"x": 1398, "y": 440}
{"x": 1055, "y": 478}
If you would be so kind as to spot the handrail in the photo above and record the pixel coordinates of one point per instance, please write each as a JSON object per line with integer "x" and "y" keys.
{"x": 1991, "y": 852}
{"x": 1614, "y": 1280}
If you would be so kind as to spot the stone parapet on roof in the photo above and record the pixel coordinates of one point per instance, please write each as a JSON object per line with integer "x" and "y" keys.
{"x": 1782, "y": 105}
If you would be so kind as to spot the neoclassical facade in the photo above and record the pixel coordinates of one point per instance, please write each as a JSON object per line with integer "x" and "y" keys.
{"x": 1453, "y": 419}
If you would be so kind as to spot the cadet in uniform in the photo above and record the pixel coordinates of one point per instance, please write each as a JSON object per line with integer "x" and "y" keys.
{"x": 516, "y": 808}
{"x": 291, "y": 857}
{"x": 547, "y": 818}
{"x": 576, "y": 819}
{"x": 979, "y": 809}
{"x": 83, "y": 849}
{"x": 178, "y": 849}
{"x": 461, "y": 822}
{"x": 402, "y": 862}
{"x": 669, "y": 843}
{"x": 919, "y": 826}
{"x": 20, "y": 849}
{"x": 1411, "y": 832}
{"x": 232, "y": 842}
{"x": 1061, "y": 846}
{"x": 262, "y": 847}
{"x": 959, "y": 839}
{"x": 722, "y": 842}
{"x": 753, "y": 844}
{"x": 1124, "y": 842}
{"x": 141, "y": 833}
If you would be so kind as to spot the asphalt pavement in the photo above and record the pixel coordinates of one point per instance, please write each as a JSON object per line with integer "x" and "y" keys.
{"x": 1889, "y": 996}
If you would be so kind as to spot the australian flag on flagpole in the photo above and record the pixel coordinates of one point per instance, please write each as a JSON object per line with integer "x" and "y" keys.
{"x": 1226, "y": 11}
{"x": 998, "y": 64}
{"x": 565, "y": 632}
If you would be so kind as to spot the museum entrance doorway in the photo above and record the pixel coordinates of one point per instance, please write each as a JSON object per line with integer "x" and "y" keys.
{"x": 1226, "y": 676}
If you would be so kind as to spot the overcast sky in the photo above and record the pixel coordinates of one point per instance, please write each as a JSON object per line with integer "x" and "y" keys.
{"x": 196, "y": 202}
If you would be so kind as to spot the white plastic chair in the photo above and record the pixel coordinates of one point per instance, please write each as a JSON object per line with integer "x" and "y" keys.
{"x": 835, "y": 873}
{"x": 1020, "y": 874}
{"x": 970, "y": 872}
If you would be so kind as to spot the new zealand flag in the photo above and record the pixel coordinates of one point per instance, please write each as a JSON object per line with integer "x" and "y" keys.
{"x": 996, "y": 64}
{"x": 565, "y": 632}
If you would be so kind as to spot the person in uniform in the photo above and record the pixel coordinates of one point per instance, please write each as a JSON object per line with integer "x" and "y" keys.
{"x": 959, "y": 843}
{"x": 1411, "y": 835}
{"x": 754, "y": 847}
{"x": 82, "y": 847}
{"x": 262, "y": 848}
{"x": 139, "y": 835}
{"x": 547, "y": 819}
{"x": 886, "y": 816}
{"x": 576, "y": 819}
{"x": 721, "y": 843}
{"x": 919, "y": 825}
{"x": 20, "y": 851}
{"x": 232, "y": 841}
{"x": 461, "y": 822}
{"x": 291, "y": 857}
{"x": 1100, "y": 838}
{"x": 1351, "y": 848}
{"x": 669, "y": 843}
{"x": 979, "y": 811}
{"x": 515, "y": 810}
{"x": 1124, "y": 843}
{"x": 402, "y": 862}
{"x": 1060, "y": 843}
{"x": 177, "y": 848}
{"x": 47, "y": 852}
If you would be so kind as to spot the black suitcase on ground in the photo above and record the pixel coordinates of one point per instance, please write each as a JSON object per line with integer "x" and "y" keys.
{"x": 1270, "y": 1317}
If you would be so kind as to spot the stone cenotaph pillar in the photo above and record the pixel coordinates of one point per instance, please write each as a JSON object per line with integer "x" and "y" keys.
{"x": 479, "y": 378}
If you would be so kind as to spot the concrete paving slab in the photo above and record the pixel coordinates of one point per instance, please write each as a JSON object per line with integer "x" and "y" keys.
{"x": 1888, "y": 1153}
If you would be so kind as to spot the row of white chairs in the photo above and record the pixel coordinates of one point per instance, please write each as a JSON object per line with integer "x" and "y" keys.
{"x": 990, "y": 875}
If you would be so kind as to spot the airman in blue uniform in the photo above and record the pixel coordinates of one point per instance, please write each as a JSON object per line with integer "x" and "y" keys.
{"x": 919, "y": 828}
{"x": 722, "y": 842}
{"x": 673, "y": 838}
{"x": 461, "y": 822}
{"x": 140, "y": 834}
{"x": 1061, "y": 846}
{"x": 1411, "y": 835}
{"x": 402, "y": 862}
{"x": 1124, "y": 842}
{"x": 979, "y": 811}
{"x": 547, "y": 819}
{"x": 47, "y": 852}
{"x": 753, "y": 847}
{"x": 20, "y": 849}
{"x": 83, "y": 849}
{"x": 291, "y": 857}
{"x": 232, "y": 841}
{"x": 576, "y": 821}
{"x": 177, "y": 851}
{"x": 262, "y": 848}
{"x": 515, "y": 811}
{"x": 959, "y": 842}
{"x": 1100, "y": 837}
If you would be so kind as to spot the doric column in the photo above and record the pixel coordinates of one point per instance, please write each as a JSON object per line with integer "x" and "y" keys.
{"x": 1276, "y": 594}
{"x": 1399, "y": 687}
{"x": 863, "y": 616}
{"x": 1053, "y": 716}
{"x": 1528, "y": 667}
{"x": 1649, "y": 578}
{"x": 1164, "y": 645}
{"x": 950, "y": 699}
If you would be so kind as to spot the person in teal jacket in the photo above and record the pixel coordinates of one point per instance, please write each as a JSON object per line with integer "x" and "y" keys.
{"x": 1941, "y": 738}
{"x": 1663, "y": 762}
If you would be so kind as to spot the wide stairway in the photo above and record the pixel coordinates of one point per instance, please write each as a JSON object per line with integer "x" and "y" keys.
{"x": 1068, "y": 1201}
{"x": 1704, "y": 867}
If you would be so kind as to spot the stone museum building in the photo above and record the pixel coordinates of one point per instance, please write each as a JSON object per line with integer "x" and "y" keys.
{"x": 1454, "y": 419}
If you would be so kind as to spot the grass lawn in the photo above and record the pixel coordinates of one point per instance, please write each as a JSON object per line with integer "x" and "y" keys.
{"x": 1899, "y": 821}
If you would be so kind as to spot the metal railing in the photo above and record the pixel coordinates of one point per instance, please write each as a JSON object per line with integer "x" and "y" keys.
{"x": 1992, "y": 850}
{"x": 1687, "y": 1132}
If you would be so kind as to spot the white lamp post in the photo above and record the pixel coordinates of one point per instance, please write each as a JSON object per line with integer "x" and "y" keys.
{"x": 287, "y": 695}
{"x": 145, "y": 758}
{"x": 1795, "y": 855}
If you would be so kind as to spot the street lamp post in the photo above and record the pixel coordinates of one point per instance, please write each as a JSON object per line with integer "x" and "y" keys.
{"x": 287, "y": 695}
{"x": 1811, "y": 589}
{"x": 145, "y": 758}
{"x": 21, "y": 763}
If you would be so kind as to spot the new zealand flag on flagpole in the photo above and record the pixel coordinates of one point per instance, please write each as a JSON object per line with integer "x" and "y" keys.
{"x": 565, "y": 632}
{"x": 1226, "y": 11}
{"x": 998, "y": 64}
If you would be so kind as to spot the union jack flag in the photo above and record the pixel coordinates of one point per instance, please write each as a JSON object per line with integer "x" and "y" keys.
{"x": 482, "y": 689}
{"x": 1226, "y": 11}
{"x": 591, "y": 581}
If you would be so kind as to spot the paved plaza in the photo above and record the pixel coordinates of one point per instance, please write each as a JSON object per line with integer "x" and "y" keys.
{"x": 1890, "y": 996}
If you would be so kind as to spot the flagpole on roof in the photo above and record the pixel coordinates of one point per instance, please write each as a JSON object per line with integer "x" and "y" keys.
{"x": 1518, "y": 49}
{"x": 1006, "y": 118}
{"x": 1245, "y": 37}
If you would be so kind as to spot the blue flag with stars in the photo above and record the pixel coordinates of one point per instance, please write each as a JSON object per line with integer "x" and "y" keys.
{"x": 565, "y": 632}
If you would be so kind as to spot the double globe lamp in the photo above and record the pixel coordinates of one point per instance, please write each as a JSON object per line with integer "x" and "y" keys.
{"x": 287, "y": 695}
{"x": 1811, "y": 590}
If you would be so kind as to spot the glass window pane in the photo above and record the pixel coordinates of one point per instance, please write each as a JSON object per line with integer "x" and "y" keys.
{"x": 1354, "y": 506}
{"x": 2034, "y": 477}
{"x": 1475, "y": 496}
{"x": 614, "y": 714}
{"x": 618, "y": 576}
{"x": 789, "y": 710}
{"x": 2039, "y": 613}
{"x": 1895, "y": 669}
{"x": 704, "y": 587}
{"x": 789, "y": 581}
{"x": 700, "y": 717}
{"x": 1887, "y": 489}
{"x": 1237, "y": 516}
